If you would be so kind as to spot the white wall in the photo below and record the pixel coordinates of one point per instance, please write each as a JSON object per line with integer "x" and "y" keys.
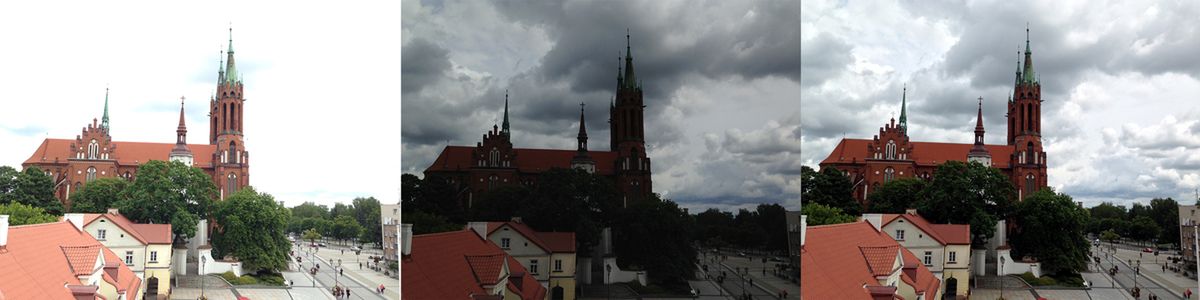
{"x": 211, "y": 266}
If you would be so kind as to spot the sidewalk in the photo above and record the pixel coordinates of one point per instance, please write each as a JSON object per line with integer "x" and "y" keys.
{"x": 366, "y": 276}
{"x": 1153, "y": 271}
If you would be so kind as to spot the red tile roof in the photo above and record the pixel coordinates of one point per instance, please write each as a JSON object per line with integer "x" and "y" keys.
{"x": 526, "y": 281}
{"x": 924, "y": 153}
{"x": 458, "y": 158}
{"x": 486, "y": 268}
{"x": 82, "y": 259}
{"x": 36, "y": 266}
{"x": 946, "y": 234}
{"x": 880, "y": 259}
{"x": 833, "y": 264}
{"x": 146, "y": 233}
{"x": 438, "y": 267}
{"x": 552, "y": 242}
{"x": 126, "y": 153}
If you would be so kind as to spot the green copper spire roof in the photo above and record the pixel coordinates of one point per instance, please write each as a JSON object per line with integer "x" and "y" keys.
{"x": 104, "y": 119}
{"x": 903, "y": 110}
{"x": 1027, "y": 75}
{"x": 630, "y": 80}
{"x": 505, "y": 128}
{"x": 231, "y": 74}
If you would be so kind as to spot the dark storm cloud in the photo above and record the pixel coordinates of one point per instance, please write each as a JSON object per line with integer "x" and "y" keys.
{"x": 423, "y": 62}
{"x": 823, "y": 58}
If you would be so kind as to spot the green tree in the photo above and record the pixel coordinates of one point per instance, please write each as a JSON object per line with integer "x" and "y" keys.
{"x": 8, "y": 182}
{"x": 829, "y": 187}
{"x": 715, "y": 228}
{"x": 33, "y": 187}
{"x": 1051, "y": 228}
{"x": 773, "y": 219}
{"x": 1107, "y": 210}
{"x": 424, "y": 222}
{"x": 340, "y": 209}
{"x": 169, "y": 192}
{"x": 1110, "y": 236}
{"x": 1144, "y": 229}
{"x": 1166, "y": 214}
{"x": 666, "y": 252}
{"x": 346, "y": 228}
{"x": 571, "y": 200}
{"x": 98, "y": 196}
{"x": 895, "y": 196}
{"x": 252, "y": 229}
{"x": 310, "y": 210}
{"x": 366, "y": 211}
{"x": 971, "y": 193}
{"x": 21, "y": 214}
{"x": 819, "y": 214}
{"x": 312, "y": 235}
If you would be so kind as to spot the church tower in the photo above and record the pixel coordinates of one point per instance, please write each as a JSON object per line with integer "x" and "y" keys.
{"x": 628, "y": 137}
{"x": 582, "y": 159}
{"x": 978, "y": 151}
{"x": 1024, "y": 128}
{"x": 181, "y": 153}
{"x": 226, "y": 132}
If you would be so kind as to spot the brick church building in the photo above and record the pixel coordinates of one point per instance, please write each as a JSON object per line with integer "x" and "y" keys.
{"x": 494, "y": 161}
{"x": 890, "y": 154}
{"x": 92, "y": 154}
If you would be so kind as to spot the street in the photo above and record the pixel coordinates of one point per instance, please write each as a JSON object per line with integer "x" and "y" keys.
{"x": 1125, "y": 275}
{"x": 753, "y": 267}
{"x": 326, "y": 276}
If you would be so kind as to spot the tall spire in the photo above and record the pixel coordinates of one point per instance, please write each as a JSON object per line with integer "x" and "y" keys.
{"x": 582, "y": 137}
{"x": 630, "y": 81}
{"x": 180, "y": 152}
{"x": 182, "y": 129}
{"x": 220, "y": 66}
{"x": 1027, "y": 74}
{"x": 979, "y": 116}
{"x": 505, "y": 128}
{"x": 619, "y": 83}
{"x": 231, "y": 74}
{"x": 104, "y": 119}
{"x": 979, "y": 152}
{"x": 903, "y": 109}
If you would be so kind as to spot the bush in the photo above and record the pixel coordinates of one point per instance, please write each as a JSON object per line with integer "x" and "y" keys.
{"x": 1044, "y": 280}
{"x": 264, "y": 279}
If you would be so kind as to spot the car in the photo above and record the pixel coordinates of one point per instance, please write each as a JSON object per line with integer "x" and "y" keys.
{"x": 322, "y": 245}
{"x": 742, "y": 254}
{"x": 1148, "y": 250}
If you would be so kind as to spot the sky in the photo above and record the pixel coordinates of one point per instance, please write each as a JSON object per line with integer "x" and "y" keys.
{"x": 1119, "y": 83}
{"x": 721, "y": 82}
{"x": 322, "y": 84}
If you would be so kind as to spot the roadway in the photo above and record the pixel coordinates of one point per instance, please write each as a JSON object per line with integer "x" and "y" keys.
{"x": 1126, "y": 277}
{"x": 327, "y": 277}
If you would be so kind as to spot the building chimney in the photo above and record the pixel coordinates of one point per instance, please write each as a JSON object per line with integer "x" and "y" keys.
{"x": 406, "y": 234}
{"x": 876, "y": 220}
{"x": 803, "y": 229}
{"x": 517, "y": 220}
{"x": 114, "y": 211}
{"x": 480, "y": 228}
{"x": 911, "y": 211}
{"x": 83, "y": 291}
{"x": 75, "y": 219}
{"x": 3, "y": 231}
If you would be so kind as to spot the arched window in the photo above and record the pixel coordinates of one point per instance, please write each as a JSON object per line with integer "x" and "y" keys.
{"x": 1029, "y": 153}
{"x": 492, "y": 182}
{"x": 91, "y": 174}
{"x": 1030, "y": 184}
{"x": 93, "y": 149}
{"x": 233, "y": 157}
{"x": 231, "y": 184}
{"x": 891, "y": 149}
{"x": 888, "y": 175}
{"x": 494, "y": 158}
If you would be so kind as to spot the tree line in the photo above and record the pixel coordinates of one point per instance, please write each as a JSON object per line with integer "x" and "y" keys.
{"x": 1154, "y": 223}
{"x": 358, "y": 221}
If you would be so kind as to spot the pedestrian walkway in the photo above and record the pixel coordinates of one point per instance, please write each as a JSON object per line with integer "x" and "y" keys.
{"x": 1153, "y": 271}
{"x": 364, "y": 276}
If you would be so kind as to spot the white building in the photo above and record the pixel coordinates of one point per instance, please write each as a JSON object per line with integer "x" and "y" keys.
{"x": 144, "y": 248}
{"x": 943, "y": 248}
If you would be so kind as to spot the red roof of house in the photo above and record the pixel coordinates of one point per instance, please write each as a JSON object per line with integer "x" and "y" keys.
{"x": 41, "y": 260}
{"x": 145, "y": 233}
{"x": 924, "y": 153}
{"x": 835, "y": 262}
{"x": 458, "y": 158}
{"x": 946, "y": 234}
{"x": 553, "y": 242}
{"x": 456, "y": 265}
{"x": 880, "y": 259}
{"x": 126, "y": 153}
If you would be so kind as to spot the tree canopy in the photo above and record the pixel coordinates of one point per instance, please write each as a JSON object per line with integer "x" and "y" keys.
{"x": 962, "y": 193}
{"x": 252, "y": 228}
{"x": 666, "y": 252}
{"x": 31, "y": 186}
{"x": 819, "y": 214}
{"x": 896, "y": 196}
{"x": 21, "y": 214}
{"x": 829, "y": 187}
{"x": 169, "y": 192}
{"x": 98, "y": 196}
{"x": 1051, "y": 228}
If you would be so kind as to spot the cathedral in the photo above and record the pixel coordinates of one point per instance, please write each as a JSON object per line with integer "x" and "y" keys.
{"x": 92, "y": 154}
{"x": 890, "y": 154}
{"x": 494, "y": 162}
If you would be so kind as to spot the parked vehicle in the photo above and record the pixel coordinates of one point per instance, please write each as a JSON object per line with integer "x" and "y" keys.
{"x": 1148, "y": 250}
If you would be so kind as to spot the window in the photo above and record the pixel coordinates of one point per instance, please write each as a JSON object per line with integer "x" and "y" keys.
{"x": 953, "y": 257}
{"x": 153, "y": 256}
{"x": 100, "y": 234}
{"x": 928, "y": 258}
{"x": 231, "y": 184}
{"x": 91, "y": 174}
{"x": 888, "y": 175}
{"x": 504, "y": 243}
{"x": 1030, "y": 184}
{"x": 891, "y": 149}
{"x": 93, "y": 149}
{"x": 492, "y": 182}
{"x": 899, "y": 234}
{"x": 533, "y": 264}
{"x": 233, "y": 151}
{"x": 558, "y": 265}
{"x": 494, "y": 158}
{"x": 129, "y": 258}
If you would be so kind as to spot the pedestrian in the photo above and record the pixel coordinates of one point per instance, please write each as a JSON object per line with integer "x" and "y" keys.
{"x": 347, "y": 293}
{"x": 360, "y": 266}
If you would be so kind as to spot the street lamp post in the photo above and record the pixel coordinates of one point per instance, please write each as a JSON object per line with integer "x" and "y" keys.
{"x": 203, "y": 280}
{"x": 1001, "y": 277}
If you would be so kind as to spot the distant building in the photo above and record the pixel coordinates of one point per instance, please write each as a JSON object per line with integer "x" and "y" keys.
{"x": 389, "y": 219}
{"x": 60, "y": 261}
{"x": 793, "y": 232}
{"x": 1188, "y": 217}
{"x": 943, "y": 248}
{"x": 549, "y": 256}
{"x": 145, "y": 248}
{"x": 461, "y": 265}
{"x": 858, "y": 261}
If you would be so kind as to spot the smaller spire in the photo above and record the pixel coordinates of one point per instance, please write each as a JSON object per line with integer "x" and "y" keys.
{"x": 979, "y": 117}
{"x": 104, "y": 119}
{"x": 903, "y": 109}
{"x": 505, "y": 131}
